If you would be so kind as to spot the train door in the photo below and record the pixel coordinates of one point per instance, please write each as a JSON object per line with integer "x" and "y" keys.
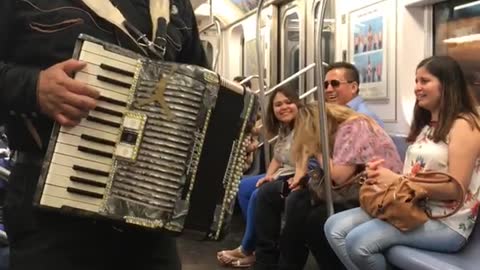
{"x": 292, "y": 42}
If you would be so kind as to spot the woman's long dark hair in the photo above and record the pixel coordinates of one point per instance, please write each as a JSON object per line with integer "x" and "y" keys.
{"x": 272, "y": 123}
{"x": 456, "y": 99}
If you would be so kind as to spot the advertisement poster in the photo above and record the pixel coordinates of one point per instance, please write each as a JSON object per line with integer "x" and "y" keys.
{"x": 367, "y": 50}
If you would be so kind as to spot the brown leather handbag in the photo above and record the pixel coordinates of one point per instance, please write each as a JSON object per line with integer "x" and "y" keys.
{"x": 402, "y": 202}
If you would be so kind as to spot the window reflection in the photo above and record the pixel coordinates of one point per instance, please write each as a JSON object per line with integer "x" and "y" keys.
{"x": 457, "y": 33}
{"x": 328, "y": 33}
{"x": 291, "y": 43}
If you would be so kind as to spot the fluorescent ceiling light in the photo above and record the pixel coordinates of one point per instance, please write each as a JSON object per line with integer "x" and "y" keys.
{"x": 222, "y": 9}
{"x": 463, "y": 39}
{"x": 466, "y": 5}
{"x": 325, "y": 20}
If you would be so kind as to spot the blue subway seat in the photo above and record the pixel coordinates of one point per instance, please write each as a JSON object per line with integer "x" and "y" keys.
{"x": 400, "y": 142}
{"x": 468, "y": 258}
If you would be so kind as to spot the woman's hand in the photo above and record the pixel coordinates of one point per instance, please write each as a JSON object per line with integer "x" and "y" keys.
{"x": 374, "y": 164}
{"x": 266, "y": 179}
{"x": 377, "y": 172}
{"x": 294, "y": 182}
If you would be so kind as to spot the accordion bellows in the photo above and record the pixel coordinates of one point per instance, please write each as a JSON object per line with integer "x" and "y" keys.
{"x": 162, "y": 150}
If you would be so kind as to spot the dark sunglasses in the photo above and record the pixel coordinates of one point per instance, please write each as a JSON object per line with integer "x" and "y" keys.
{"x": 334, "y": 83}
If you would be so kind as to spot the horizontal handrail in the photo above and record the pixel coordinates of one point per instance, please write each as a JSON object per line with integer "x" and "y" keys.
{"x": 291, "y": 78}
{"x": 249, "y": 78}
{"x": 309, "y": 92}
{"x": 206, "y": 27}
{"x": 269, "y": 141}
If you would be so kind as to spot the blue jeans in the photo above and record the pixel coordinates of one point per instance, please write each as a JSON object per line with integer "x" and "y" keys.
{"x": 247, "y": 197}
{"x": 358, "y": 240}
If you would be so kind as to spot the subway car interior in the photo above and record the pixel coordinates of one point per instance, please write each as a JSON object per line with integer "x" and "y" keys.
{"x": 272, "y": 44}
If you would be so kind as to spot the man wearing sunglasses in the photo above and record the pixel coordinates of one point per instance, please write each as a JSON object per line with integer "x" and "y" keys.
{"x": 342, "y": 84}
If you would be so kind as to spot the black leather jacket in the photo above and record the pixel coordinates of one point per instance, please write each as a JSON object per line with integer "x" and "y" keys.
{"x": 36, "y": 34}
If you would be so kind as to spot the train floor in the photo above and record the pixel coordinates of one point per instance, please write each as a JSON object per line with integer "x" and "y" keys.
{"x": 195, "y": 253}
{"x": 201, "y": 255}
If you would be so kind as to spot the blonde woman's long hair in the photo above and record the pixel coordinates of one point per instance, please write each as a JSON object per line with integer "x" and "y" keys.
{"x": 307, "y": 127}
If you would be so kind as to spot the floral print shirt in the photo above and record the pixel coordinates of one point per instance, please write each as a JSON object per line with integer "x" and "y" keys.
{"x": 357, "y": 142}
{"x": 426, "y": 155}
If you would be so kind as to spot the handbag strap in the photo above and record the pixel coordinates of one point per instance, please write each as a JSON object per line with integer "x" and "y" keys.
{"x": 359, "y": 177}
{"x": 440, "y": 178}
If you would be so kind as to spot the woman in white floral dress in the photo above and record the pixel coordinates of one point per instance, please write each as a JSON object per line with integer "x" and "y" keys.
{"x": 445, "y": 137}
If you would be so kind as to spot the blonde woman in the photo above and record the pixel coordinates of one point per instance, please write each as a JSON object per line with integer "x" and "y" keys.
{"x": 354, "y": 140}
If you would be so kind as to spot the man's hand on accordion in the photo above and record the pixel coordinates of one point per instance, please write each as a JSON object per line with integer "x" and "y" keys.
{"x": 62, "y": 98}
{"x": 251, "y": 144}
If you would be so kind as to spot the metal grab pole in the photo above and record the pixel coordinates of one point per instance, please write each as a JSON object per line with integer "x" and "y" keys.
{"x": 219, "y": 43}
{"x": 247, "y": 79}
{"x": 321, "y": 106}
{"x": 211, "y": 10}
{"x": 261, "y": 84}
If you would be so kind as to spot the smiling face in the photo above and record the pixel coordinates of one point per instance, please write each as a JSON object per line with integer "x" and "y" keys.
{"x": 284, "y": 109}
{"x": 340, "y": 89}
{"x": 427, "y": 90}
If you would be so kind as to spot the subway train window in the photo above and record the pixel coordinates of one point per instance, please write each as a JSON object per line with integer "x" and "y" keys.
{"x": 291, "y": 47}
{"x": 250, "y": 52}
{"x": 457, "y": 33}
{"x": 328, "y": 35}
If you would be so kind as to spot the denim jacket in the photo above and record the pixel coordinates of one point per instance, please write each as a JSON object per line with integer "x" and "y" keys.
{"x": 36, "y": 34}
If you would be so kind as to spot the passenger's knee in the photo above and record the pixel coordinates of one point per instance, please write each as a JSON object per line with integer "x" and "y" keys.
{"x": 356, "y": 247}
{"x": 268, "y": 191}
{"x": 334, "y": 229}
{"x": 253, "y": 197}
{"x": 243, "y": 189}
{"x": 298, "y": 201}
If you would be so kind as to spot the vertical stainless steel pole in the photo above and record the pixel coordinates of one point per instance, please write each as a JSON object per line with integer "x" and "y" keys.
{"x": 321, "y": 105}
{"x": 219, "y": 43}
{"x": 261, "y": 83}
{"x": 210, "y": 2}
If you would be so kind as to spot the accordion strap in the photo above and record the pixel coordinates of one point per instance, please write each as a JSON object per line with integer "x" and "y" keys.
{"x": 109, "y": 12}
{"x": 160, "y": 16}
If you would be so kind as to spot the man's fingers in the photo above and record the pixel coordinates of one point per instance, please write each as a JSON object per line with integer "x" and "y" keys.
{"x": 253, "y": 146}
{"x": 73, "y": 113}
{"x": 65, "y": 121}
{"x": 71, "y": 66}
{"x": 80, "y": 88}
{"x": 80, "y": 102}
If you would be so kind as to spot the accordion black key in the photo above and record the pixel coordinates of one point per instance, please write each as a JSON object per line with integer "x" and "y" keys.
{"x": 162, "y": 149}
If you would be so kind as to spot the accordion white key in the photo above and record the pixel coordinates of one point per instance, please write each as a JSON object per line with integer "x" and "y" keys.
{"x": 162, "y": 149}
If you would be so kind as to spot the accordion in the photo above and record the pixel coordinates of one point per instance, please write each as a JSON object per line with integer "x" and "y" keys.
{"x": 162, "y": 149}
